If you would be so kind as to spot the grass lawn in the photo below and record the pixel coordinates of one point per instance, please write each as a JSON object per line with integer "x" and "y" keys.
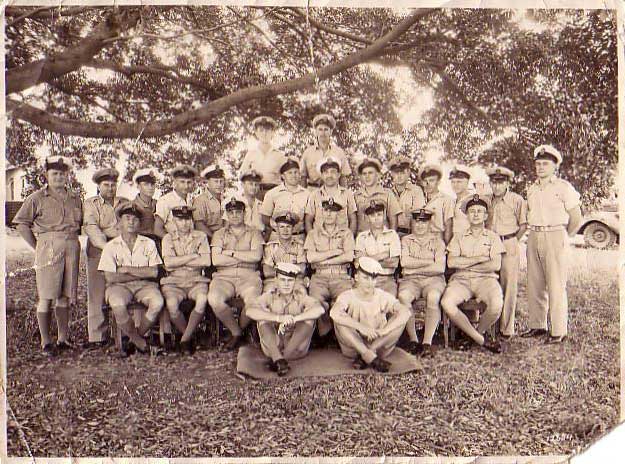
{"x": 534, "y": 399}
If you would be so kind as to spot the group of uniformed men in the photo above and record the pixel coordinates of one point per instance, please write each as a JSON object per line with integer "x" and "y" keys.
{"x": 297, "y": 216}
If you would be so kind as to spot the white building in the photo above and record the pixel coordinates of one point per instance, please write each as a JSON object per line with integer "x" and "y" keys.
{"x": 15, "y": 183}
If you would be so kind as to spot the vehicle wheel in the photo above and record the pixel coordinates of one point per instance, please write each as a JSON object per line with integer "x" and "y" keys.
{"x": 599, "y": 235}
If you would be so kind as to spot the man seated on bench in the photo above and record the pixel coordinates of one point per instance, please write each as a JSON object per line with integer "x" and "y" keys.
{"x": 361, "y": 319}
{"x": 185, "y": 252}
{"x": 128, "y": 261}
{"x": 286, "y": 318}
{"x": 476, "y": 257}
{"x": 423, "y": 268}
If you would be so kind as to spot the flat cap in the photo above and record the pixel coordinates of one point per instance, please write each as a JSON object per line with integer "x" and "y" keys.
{"x": 290, "y": 163}
{"x": 212, "y": 171}
{"x": 369, "y": 266}
{"x": 500, "y": 173}
{"x": 369, "y": 162}
{"x": 476, "y": 200}
{"x": 234, "y": 205}
{"x": 430, "y": 170}
{"x": 58, "y": 163}
{"x": 264, "y": 121}
{"x": 287, "y": 269}
{"x": 250, "y": 174}
{"x": 547, "y": 152}
{"x": 399, "y": 162}
{"x": 324, "y": 118}
{"x": 185, "y": 171}
{"x": 331, "y": 204}
{"x": 144, "y": 175}
{"x": 105, "y": 174}
{"x": 182, "y": 212}
{"x": 422, "y": 214}
{"x": 460, "y": 172}
{"x": 327, "y": 163}
{"x": 287, "y": 218}
{"x": 374, "y": 207}
{"x": 128, "y": 208}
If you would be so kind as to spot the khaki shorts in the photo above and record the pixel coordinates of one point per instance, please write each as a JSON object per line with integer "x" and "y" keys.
{"x": 419, "y": 286}
{"x": 387, "y": 283}
{"x": 139, "y": 290}
{"x": 181, "y": 292}
{"x": 324, "y": 287}
{"x": 482, "y": 288}
{"x": 247, "y": 285}
{"x": 56, "y": 267}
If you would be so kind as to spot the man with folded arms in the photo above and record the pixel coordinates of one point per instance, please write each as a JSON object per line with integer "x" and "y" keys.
{"x": 368, "y": 321}
{"x": 286, "y": 318}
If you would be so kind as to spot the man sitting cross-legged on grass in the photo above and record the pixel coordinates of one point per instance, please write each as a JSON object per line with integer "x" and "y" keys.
{"x": 361, "y": 322}
{"x": 423, "y": 268}
{"x": 286, "y": 318}
{"x": 476, "y": 256}
{"x": 128, "y": 261}
{"x": 185, "y": 252}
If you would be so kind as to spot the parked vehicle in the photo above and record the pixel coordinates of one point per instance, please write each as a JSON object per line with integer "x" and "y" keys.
{"x": 601, "y": 228}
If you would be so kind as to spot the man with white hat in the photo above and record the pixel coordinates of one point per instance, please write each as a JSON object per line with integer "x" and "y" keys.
{"x": 323, "y": 125}
{"x": 369, "y": 170}
{"x": 367, "y": 320}
{"x": 329, "y": 169}
{"x": 49, "y": 221}
{"x": 459, "y": 178}
{"x": 183, "y": 184}
{"x": 554, "y": 216}
{"x": 508, "y": 219}
{"x": 264, "y": 158}
{"x": 100, "y": 225}
{"x": 409, "y": 196}
{"x": 286, "y": 318}
{"x": 441, "y": 204}
{"x": 207, "y": 210}
{"x": 145, "y": 180}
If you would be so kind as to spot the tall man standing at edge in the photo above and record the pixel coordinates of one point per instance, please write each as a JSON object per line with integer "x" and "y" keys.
{"x": 554, "y": 215}
{"x": 49, "y": 220}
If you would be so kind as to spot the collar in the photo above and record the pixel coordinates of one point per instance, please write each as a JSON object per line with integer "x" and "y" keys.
{"x": 324, "y": 231}
{"x": 340, "y": 189}
{"x": 46, "y": 191}
{"x": 228, "y": 228}
{"x": 283, "y": 188}
{"x": 468, "y": 232}
{"x": 331, "y": 146}
{"x": 173, "y": 192}
{"x": 551, "y": 180}
{"x": 409, "y": 186}
{"x": 385, "y": 230}
{"x": 433, "y": 197}
{"x": 139, "y": 200}
{"x": 375, "y": 189}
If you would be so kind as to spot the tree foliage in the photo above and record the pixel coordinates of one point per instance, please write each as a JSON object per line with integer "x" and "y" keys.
{"x": 162, "y": 85}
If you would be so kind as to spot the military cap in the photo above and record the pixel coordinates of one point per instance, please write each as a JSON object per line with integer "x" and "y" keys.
{"x": 182, "y": 212}
{"x": 250, "y": 174}
{"x": 476, "y": 200}
{"x": 548, "y": 152}
{"x": 288, "y": 218}
{"x": 234, "y": 205}
{"x": 128, "y": 208}
{"x": 331, "y": 204}
{"x": 185, "y": 171}
{"x": 500, "y": 173}
{"x": 212, "y": 171}
{"x": 290, "y": 163}
{"x": 369, "y": 266}
{"x": 374, "y": 207}
{"x": 430, "y": 170}
{"x": 264, "y": 121}
{"x": 399, "y": 162}
{"x": 324, "y": 118}
{"x": 422, "y": 214}
{"x": 459, "y": 172}
{"x": 369, "y": 162}
{"x": 58, "y": 163}
{"x": 105, "y": 174}
{"x": 144, "y": 175}
{"x": 287, "y": 269}
{"x": 327, "y": 163}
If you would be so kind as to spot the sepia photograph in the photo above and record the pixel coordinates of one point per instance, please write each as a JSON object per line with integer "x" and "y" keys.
{"x": 297, "y": 231}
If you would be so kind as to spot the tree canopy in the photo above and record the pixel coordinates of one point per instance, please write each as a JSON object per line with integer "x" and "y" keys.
{"x": 161, "y": 85}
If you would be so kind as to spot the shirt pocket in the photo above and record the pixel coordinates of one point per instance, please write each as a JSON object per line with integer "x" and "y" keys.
{"x": 483, "y": 248}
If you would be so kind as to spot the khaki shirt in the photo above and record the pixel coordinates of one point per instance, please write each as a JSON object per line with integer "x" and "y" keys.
{"x": 548, "y": 205}
{"x": 166, "y": 203}
{"x": 266, "y": 164}
{"x": 443, "y": 208}
{"x": 275, "y": 252}
{"x": 431, "y": 248}
{"x": 101, "y": 214}
{"x": 296, "y": 303}
{"x": 208, "y": 209}
{"x": 466, "y": 245}
{"x": 313, "y": 154}
{"x": 319, "y": 239}
{"x": 368, "y": 245}
{"x": 372, "y": 313}
{"x": 506, "y": 214}
{"x": 341, "y": 195}
{"x": 378, "y": 194}
{"x": 461, "y": 222}
{"x": 225, "y": 239}
{"x": 43, "y": 212}
{"x": 410, "y": 199}
{"x": 116, "y": 254}
{"x": 148, "y": 210}
{"x": 252, "y": 215}
{"x": 279, "y": 200}
{"x": 174, "y": 245}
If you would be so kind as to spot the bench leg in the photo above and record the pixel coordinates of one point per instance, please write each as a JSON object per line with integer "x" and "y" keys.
{"x": 446, "y": 329}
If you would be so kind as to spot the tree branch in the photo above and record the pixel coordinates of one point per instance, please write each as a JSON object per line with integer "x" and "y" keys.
{"x": 81, "y": 96}
{"x": 43, "y": 13}
{"x": 45, "y": 70}
{"x": 193, "y": 118}
{"x": 329, "y": 29}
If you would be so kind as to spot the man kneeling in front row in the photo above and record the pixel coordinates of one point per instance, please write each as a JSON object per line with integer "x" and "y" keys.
{"x": 286, "y": 318}
{"x": 361, "y": 321}
{"x": 128, "y": 261}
